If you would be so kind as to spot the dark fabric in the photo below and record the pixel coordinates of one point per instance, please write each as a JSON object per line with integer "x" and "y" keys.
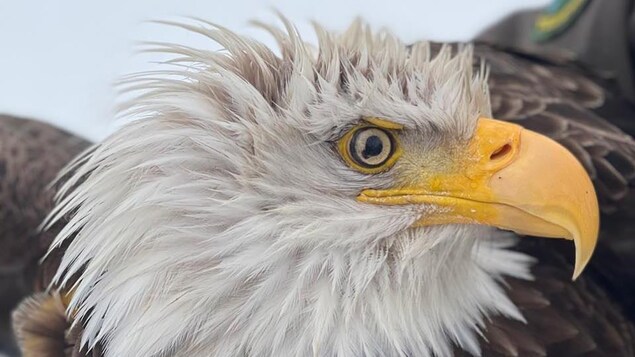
{"x": 601, "y": 38}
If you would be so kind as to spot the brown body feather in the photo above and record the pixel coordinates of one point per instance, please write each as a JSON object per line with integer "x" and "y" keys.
{"x": 31, "y": 156}
{"x": 594, "y": 315}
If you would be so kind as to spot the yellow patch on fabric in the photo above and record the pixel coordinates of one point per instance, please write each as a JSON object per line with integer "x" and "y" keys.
{"x": 557, "y": 18}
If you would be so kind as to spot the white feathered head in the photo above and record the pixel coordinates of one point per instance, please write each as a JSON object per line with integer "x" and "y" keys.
{"x": 263, "y": 204}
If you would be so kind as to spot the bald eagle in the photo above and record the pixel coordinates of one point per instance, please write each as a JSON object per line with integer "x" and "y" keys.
{"x": 357, "y": 198}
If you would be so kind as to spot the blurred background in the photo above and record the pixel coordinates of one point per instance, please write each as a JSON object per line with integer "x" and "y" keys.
{"x": 59, "y": 60}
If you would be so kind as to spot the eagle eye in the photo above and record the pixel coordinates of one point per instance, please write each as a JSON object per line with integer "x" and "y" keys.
{"x": 369, "y": 149}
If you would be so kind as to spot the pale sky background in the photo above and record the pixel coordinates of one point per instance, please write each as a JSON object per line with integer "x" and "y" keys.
{"x": 60, "y": 59}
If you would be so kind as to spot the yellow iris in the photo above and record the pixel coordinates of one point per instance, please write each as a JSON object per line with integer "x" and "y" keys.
{"x": 372, "y": 146}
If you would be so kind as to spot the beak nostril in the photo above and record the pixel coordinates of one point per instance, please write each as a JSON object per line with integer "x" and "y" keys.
{"x": 501, "y": 152}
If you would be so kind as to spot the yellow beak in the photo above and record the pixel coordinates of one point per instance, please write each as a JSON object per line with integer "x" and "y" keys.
{"x": 511, "y": 178}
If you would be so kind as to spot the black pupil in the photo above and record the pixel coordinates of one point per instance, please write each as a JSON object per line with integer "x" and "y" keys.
{"x": 373, "y": 147}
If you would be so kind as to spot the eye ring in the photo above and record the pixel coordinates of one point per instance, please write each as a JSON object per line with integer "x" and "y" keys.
{"x": 369, "y": 149}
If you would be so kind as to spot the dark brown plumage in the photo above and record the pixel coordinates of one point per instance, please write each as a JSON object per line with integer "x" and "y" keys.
{"x": 590, "y": 317}
{"x": 31, "y": 155}
{"x": 594, "y": 315}
{"x": 563, "y": 318}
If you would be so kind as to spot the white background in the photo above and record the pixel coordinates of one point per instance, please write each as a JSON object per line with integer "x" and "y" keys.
{"x": 60, "y": 59}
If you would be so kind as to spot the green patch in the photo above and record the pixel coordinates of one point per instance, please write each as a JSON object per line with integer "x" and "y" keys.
{"x": 556, "y": 18}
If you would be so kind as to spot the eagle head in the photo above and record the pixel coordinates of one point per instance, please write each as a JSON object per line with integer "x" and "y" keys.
{"x": 338, "y": 200}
